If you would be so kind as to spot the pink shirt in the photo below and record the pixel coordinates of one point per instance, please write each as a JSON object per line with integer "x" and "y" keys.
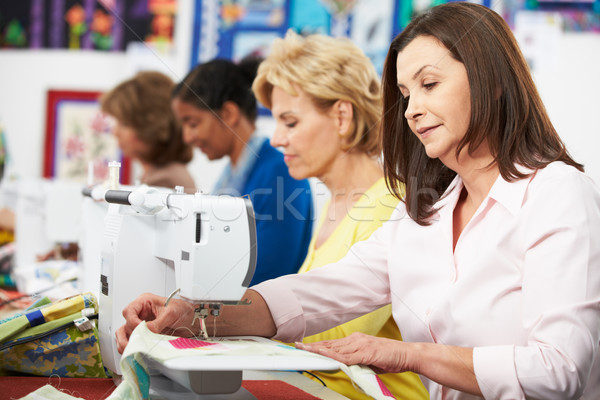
{"x": 522, "y": 286}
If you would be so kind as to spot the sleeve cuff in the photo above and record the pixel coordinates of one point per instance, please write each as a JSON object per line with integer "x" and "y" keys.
{"x": 285, "y": 309}
{"x": 495, "y": 372}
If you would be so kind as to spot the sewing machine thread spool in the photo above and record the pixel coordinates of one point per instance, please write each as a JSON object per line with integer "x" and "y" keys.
{"x": 114, "y": 168}
{"x": 90, "y": 173}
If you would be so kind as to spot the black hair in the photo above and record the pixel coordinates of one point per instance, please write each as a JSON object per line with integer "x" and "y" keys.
{"x": 208, "y": 86}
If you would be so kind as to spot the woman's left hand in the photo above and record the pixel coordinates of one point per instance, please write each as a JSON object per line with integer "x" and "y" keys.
{"x": 381, "y": 354}
{"x": 447, "y": 365}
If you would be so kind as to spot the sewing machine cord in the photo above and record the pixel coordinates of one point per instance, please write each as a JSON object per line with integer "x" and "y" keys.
{"x": 314, "y": 376}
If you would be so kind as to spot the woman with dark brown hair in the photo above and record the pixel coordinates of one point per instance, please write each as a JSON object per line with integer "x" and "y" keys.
{"x": 491, "y": 263}
{"x": 507, "y": 118}
{"x": 148, "y": 131}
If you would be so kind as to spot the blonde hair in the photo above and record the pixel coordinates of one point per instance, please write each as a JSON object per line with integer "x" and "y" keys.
{"x": 327, "y": 69}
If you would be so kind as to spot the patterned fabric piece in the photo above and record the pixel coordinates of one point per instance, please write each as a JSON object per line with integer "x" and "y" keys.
{"x": 67, "y": 353}
{"x": 144, "y": 343}
{"x": 49, "y": 392}
{"x": 368, "y": 382}
{"x": 185, "y": 343}
{"x": 44, "y": 341}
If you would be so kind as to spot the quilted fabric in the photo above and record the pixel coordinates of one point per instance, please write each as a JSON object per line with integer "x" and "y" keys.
{"x": 44, "y": 340}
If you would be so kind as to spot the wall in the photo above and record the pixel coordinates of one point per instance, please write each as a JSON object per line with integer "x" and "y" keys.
{"x": 25, "y": 76}
{"x": 570, "y": 90}
{"x": 571, "y": 93}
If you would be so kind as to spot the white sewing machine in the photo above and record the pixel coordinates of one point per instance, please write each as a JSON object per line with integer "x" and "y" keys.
{"x": 46, "y": 213}
{"x": 94, "y": 209}
{"x": 93, "y": 213}
{"x": 203, "y": 246}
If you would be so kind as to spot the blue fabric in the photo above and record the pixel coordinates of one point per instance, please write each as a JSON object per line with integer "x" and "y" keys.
{"x": 35, "y": 318}
{"x": 283, "y": 208}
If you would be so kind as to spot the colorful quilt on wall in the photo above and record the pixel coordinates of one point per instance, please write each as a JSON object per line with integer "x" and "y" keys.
{"x": 85, "y": 24}
{"x": 234, "y": 29}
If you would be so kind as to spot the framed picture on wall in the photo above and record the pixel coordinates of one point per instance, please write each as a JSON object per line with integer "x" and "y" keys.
{"x": 79, "y": 135}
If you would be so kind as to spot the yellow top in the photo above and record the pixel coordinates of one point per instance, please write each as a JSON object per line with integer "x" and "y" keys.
{"x": 372, "y": 209}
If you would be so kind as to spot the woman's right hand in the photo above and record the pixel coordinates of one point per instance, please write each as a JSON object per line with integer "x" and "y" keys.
{"x": 175, "y": 319}
{"x": 251, "y": 319}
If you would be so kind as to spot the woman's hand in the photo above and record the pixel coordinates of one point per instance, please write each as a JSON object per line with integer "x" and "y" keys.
{"x": 251, "y": 319}
{"x": 381, "y": 354}
{"x": 450, "y": 366}
{"x": 175, "y": 319}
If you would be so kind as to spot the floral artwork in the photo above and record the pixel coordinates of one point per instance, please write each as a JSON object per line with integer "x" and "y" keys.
{"x": 163, "y": 21}
{"x": 14, "y": 21}
{"x": 78, "y": 136}
{"x": 102, "y": 25}
{"x": 75, "y": 18}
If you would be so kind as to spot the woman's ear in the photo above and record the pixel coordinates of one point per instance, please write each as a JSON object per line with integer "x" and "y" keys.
{"x": 230, "y": 113}
{"x": 344, "y": 115}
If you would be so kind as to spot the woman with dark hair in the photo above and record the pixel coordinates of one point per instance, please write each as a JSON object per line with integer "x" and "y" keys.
{"x": 218, "y": 111}
{"x": 148, "y": 131}
{"x": 507, "y": 118}
{"x": 492, "y": 261}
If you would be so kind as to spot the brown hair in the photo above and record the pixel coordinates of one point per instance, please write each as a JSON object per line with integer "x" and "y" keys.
{"x": 507, "y": 111}
{"x": 143, "y": 103}
{"x": 327, "y": 69}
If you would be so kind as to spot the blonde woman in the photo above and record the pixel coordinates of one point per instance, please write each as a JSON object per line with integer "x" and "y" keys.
{"x": 324, "y": 94}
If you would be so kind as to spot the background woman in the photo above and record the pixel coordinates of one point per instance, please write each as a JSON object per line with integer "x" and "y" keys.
{"x": 148, "y": 131}
{"x": 218, "y": 112}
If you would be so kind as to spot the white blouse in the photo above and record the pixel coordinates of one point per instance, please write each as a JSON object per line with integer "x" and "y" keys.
{"x": 522, "y": 286}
